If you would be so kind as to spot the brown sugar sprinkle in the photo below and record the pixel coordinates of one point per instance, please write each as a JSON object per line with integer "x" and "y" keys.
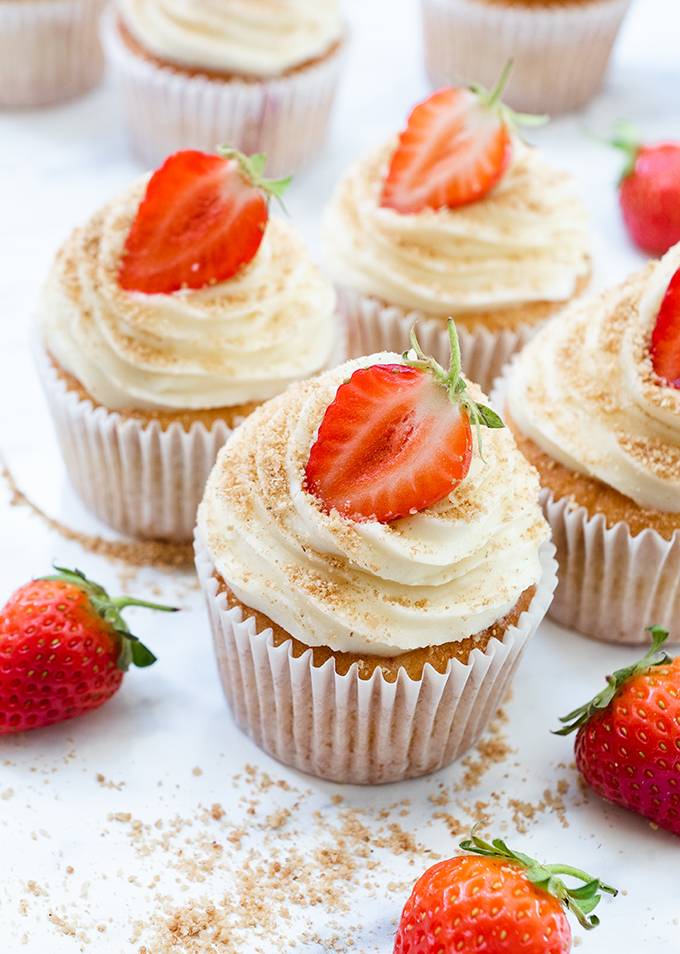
{"x": 137, "y": 553}
{"x": 253, "y": 875}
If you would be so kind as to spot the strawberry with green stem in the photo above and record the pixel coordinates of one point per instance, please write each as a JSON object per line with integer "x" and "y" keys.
{"x": 628, "y": 736}
{"x": 456, "y": 147}
{"x": 64, "y": 648}
{"x": 649, "y": 190}
{"x": 202, "y": 219}
{"x": 499, "y": 901}
{"x": 397, "y": 438}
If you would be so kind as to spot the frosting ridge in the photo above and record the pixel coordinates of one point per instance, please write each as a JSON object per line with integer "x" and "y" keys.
{"x": 526, "y": 241}
{"x": 238, "y": 341}
{"x": 258, "y": 38}
{"x": 585, "y": 392}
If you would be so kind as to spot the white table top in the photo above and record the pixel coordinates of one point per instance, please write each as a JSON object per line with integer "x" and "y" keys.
{"x": 55, "y": 167}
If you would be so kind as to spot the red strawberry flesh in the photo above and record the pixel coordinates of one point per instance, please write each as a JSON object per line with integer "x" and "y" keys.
{"x": 454, "y": 150}
{"x": 199, "y": 222}
{"x": 391, "y": 443}
{"x": 665, "y": 346}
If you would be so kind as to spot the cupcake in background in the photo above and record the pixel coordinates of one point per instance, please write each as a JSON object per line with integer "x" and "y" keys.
{"x": 561, "y": 48}
{"x": 455, "y": 217}
{"x": 260, "y": 74}
{"x": 372, "y": 580}
{"x": 49, "y": 50}
{"x": 594, "y": 402}
{"x": 166, "y": 319}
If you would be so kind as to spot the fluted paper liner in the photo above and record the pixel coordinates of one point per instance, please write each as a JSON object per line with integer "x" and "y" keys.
{"x": 373, "y": 326}
{"x": 363, "y": 731}
{"x": 49, "y": 51}
{"x": 135, "y": 476}
{"x": 611, "y": 584}
{"x": 286, "y": 117}
{"x": 560, "y": 51}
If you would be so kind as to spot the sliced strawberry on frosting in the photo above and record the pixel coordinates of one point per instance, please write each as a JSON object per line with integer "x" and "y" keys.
{"x": 456, "y": 146}
{"x": 202, "y": 218}
{"x": 665, "y": 349}
{"x": 396, "y": 439}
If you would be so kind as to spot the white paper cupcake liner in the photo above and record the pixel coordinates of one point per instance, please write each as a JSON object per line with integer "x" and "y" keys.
{"x": 362, "y": 731}
{"x": 140, "y": 479}
{"x": 560, "y": 51}
{"x": 611, "y": 584}
{"x": 49, "y": 50}
{"x": 373, "y": 326}
{"x": 166, "y": 110}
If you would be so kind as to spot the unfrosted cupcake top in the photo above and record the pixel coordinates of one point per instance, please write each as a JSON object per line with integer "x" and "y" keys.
{"x": 240, "y": 340}
{"x": 247, "y": 37}
{"x": 442, "y": 574}
{"x": 584, "y": 390}
{"x": 526, "y": 241}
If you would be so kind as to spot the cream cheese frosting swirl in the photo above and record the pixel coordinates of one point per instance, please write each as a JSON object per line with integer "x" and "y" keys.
{"x": 526, "y": 241}
{"x": 238, "y": 341}
{"x": 585, "y": 392}
{"x": 440, "y": 575}
{"x": 258, "y": 38}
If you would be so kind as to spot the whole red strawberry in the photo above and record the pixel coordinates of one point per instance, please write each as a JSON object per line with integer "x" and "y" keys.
{"x": 498, "y": 901}
{"x": 456, "y": 147}
{"x": 202, "y": 218}
{"x": 649, "y": 191}
{"x": 628, "y": 741}
{"x": 64, "y": 648}
{"x": 397, "y": 438}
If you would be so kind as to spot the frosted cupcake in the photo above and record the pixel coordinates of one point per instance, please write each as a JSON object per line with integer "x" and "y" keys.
{"x": 49, "y": 50}
{"x": 457, "y": 217}
{"x": 166, "y": 319}
{"x": 371, "y": 580}
{"x": 594, "y": 401}
{"x": 560, "y": 48}
{"x": 261, "y": 75}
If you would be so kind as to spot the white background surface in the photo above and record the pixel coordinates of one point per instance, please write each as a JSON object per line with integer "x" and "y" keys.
{"x": 55, "y": 167}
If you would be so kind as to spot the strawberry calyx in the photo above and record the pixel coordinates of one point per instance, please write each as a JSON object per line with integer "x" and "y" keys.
{"x": 652, "y": 658}
{"x": 480, "y": 415}
{"x": 252, "y": 168}
{"x": 493, "y": 99}
{"x": 132, "y": 650}
{"x": 627, "y": 140}
{"x": 581, "y": 901}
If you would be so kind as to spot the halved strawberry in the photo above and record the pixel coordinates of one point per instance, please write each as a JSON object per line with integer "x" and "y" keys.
{"x": 202, "y": 218}
{"x": 455, "y": 148}
{"x": 396, "y": 439}
{"x": 665, "y": 348}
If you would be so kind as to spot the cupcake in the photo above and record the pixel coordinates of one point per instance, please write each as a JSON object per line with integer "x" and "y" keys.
{"x": 49, "y": 50}
{"x": 594, "y": 402}
{"x": 371, "y": 578}
{"x": 260, "y": 75}
{"x": 560, "y": 47}
{"x": 166, "y": 319}
{"x": 457, "y": 217}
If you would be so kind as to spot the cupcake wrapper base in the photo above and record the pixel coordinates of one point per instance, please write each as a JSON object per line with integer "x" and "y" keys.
{"x": 362, "y": 731}
{"x": 373, "y": 327}
{"x": 48, "y": 51}
{"x": 612, "y": 585}
{"x": 167, "y": 110}
{"x": 136, "y": 477}
{"x": 560, "y": 51}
